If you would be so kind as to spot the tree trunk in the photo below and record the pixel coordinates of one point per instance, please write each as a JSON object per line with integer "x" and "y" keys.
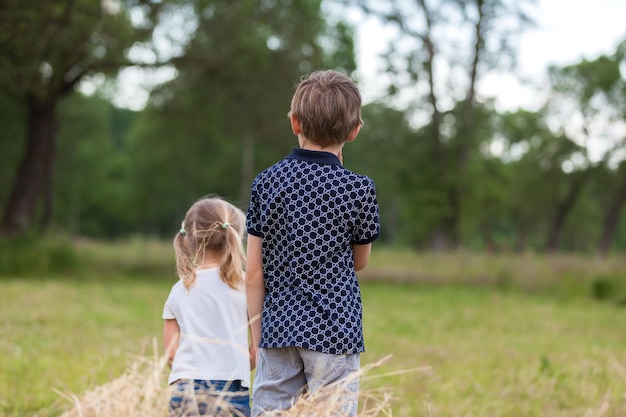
{"x": 33, "y": 177}
{"x": 247, "y": 163}
{"x": 441, "y": 237}
{"x": 612, "y": 217}
{"x": 465, "y": 138}
{"x": 564, "y": 208}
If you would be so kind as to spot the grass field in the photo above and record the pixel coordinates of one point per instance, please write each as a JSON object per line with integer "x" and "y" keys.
{"x": 490, "y": 336}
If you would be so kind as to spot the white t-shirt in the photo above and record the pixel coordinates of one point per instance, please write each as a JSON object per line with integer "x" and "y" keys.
{"x": 213, "y": 323}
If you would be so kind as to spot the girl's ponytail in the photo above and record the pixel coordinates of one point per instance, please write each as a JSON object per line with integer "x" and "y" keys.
{"x": 234, "y": 258}
{"x": 184, "y": 247}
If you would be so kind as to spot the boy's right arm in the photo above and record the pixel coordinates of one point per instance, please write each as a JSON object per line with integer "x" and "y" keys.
{"x": 255, "y": 287}
{"x": 361, "y": 254}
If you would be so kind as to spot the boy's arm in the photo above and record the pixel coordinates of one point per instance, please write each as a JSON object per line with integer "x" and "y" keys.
{"x": 171, "y": 337}
{"x": 255, "y": 287}
{"x": 361, "y": 254}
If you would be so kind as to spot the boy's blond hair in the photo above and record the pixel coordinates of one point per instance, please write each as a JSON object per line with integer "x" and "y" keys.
{"x": 328, "y": 106}
{"x": 211, "y": 224}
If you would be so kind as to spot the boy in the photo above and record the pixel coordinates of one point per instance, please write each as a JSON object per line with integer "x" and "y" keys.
{"x": 310, "y": 226}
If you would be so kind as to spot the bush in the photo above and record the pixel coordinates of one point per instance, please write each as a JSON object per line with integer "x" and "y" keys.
{"x": 608, "y": 288}
{"x": 37, "y": 255}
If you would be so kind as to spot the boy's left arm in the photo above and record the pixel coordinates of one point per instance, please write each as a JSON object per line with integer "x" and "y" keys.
{"x": 368, "y": 227}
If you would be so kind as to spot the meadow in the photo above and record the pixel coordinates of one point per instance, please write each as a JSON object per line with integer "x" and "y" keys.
{"x": 469, "y": 334}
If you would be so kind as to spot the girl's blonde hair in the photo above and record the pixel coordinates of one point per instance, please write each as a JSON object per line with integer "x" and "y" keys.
{"x": 211, "y": 224}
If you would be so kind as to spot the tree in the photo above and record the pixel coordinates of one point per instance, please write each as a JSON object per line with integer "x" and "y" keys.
{"x": 12, "y": 143}
{"x": 44, "y": 53}
{"x": 593, "y": 92}
{"x": 93, "y": 190}
{"x": 223, "y": 118}
{"x": 380, "y": 152}
{"x": 442, "y": 50}
{"x": 612, "y": 215}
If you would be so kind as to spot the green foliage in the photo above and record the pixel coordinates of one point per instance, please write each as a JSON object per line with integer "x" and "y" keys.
{"x": 93, "y": 175}
{"x": 222, "y": 119}
{"x": 608, "y": 287}
{"x": 454, "y": 124}
{"x": 381, "y": 151}
{"x": 36, "y": 255}
{"x": 539, "y": 186}
{"x": 602, "y": 288}
{"x": 45, "y": 51}
{"x": 451, "y": 170}
{"x": 93, "y": 181}
{"x": 587, "y": 79}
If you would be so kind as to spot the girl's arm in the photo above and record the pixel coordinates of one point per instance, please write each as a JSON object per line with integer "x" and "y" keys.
{"x": 171, "y": 337}
{"x": 361, "y": 254}
{"x": 255, "y": 289}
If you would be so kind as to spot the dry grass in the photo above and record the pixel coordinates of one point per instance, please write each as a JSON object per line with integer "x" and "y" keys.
{"x": 139, "y": 391}
{"x": 142, "y": 392}
{"x": 565, "y": 274}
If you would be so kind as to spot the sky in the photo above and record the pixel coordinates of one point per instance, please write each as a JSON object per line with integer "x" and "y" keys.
{"x": 567, "y": 31}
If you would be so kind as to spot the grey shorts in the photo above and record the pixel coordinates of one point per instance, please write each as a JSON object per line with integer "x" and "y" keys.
{"x": 283, "y": 374}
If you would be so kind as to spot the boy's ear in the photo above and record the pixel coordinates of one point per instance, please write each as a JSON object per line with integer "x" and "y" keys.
{"x": 354, "y": 132}
{"x": 295, "y": 124}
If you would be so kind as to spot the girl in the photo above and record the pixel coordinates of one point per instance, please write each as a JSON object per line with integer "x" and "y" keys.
{"x": 206, "y": 322}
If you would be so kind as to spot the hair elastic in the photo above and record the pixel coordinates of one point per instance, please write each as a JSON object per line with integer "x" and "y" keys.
{"x": 225, "y": 225}
{"x": 182, "y": 231}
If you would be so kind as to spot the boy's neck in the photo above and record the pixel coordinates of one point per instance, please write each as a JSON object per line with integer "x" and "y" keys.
{"x": 312, "y": 146}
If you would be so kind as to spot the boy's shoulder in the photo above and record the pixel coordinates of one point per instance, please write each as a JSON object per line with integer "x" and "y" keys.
{"x": 289, "y": 171}
{"x": 311, "y": 167}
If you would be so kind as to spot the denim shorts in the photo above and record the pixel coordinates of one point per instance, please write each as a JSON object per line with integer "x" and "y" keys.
{"x": 283, "y": 374}
{"x": 208, "y": 398}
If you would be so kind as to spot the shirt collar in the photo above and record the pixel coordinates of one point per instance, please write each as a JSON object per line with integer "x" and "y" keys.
{"x": 319, "y": 157}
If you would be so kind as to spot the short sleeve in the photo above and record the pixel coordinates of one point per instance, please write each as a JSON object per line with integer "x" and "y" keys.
{"x": 253, "y": 217}
{"x": 167, "y": 310}
{"x": 167, "y": 313}
{"x": 367, "y": 223}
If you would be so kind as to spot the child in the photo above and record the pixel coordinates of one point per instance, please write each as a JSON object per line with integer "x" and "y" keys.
{"x": 310, "y": 226}
{"x": 206, "y": 323}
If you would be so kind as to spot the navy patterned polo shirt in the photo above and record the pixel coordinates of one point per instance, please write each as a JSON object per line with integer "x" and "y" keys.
{"x": 308, "y": 209}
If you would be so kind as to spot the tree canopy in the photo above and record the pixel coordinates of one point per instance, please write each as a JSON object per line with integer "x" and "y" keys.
{"x": 44, "y": 53}
{"x": 451, "y": 170}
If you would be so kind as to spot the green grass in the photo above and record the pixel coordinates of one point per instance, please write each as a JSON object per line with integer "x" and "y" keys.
{"x": 496, "y": 354}
{"x": 71, "y": 335}
{"x": 534, "y": 343}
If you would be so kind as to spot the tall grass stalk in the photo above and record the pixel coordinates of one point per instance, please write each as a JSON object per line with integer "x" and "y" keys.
{"x": 140, "y": 392}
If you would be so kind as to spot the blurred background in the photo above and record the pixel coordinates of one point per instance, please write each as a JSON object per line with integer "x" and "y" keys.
{"x": 489, "y": 124}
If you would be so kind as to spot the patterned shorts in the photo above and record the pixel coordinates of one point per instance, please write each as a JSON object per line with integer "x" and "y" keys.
{"x": 191, "y": 398}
